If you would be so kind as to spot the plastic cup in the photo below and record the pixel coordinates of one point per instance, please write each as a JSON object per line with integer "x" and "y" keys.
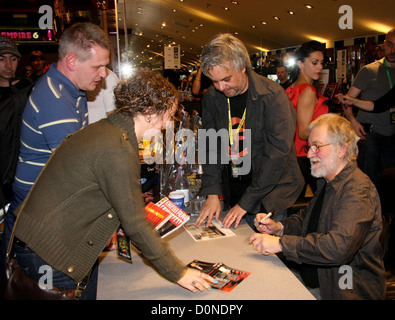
{"x": 177, "y": 197}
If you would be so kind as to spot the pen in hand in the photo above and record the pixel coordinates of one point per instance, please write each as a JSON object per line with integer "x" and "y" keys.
{"x": 264, "y": 218}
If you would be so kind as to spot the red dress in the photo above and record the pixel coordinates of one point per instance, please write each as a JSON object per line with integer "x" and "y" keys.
{"x": 319, "y": 109}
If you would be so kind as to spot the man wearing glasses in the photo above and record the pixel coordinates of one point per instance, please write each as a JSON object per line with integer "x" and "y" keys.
{"x": 340, "y": 229}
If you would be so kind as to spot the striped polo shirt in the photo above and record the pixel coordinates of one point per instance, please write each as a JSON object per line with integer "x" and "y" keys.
{"x": 55, "y": 109}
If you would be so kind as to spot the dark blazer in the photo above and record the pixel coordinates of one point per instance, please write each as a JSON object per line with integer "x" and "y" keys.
{"x": 271, "y": 118}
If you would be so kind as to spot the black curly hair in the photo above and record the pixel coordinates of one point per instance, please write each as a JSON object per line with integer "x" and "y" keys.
{"x": 145, "y": 92}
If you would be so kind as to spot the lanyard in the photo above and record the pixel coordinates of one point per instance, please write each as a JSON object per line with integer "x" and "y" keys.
{"x": 388, "y": 73}
{"x": 231, "y": 136}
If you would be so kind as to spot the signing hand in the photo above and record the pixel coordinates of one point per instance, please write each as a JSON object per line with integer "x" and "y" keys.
{"x": 267, "y": 226}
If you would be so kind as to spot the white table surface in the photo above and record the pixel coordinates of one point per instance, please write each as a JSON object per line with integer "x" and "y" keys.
{"x": 270, "y": 279}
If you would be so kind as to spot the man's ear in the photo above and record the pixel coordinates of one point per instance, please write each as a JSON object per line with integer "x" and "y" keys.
{"x": 342, "y": 151}
{"x": 71, "y": 60}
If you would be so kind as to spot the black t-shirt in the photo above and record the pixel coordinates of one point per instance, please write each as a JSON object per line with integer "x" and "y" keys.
{"x": 238, "y": 105}
{"x": 6, "y": 92}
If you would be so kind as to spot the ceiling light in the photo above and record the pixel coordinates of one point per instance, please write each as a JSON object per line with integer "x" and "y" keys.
{"x": 253, "y": 27}
{"x": 308, "y": 6}
{"x": 235, "y": 2}
{"x": 291, "y": 12}
{"x": 163, "y": 24}
{"x": 276, "y": 18}
{"x": 226, "y": 8}
{"x": 264, "y": 22}
{"x": 290, "y": 62}
{"x": 126, "y": 70}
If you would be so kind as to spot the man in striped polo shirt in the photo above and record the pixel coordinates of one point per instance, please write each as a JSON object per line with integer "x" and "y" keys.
{"x": 57, "y": 105}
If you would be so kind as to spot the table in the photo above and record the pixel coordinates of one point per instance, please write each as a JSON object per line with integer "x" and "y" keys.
{"x": 270, "y": 279}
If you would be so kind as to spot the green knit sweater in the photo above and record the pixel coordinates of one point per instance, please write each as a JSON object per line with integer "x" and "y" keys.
{"x": 90, "y": 186}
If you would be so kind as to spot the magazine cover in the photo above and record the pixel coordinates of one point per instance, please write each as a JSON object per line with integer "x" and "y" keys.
{"x": 156, "y": 215}
{"x": 178, "y": 217}
{"x": 227, "y": 277}
{"x": 214, "y": 231}
{"x": 164, "y": 215}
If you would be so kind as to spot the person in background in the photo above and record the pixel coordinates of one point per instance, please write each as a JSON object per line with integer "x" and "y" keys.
{"x": 375, "y": 130}
{"x": 200, "y": 84}
{"x": 308, "y": 103}
{"x": 57, "y": 106}
{"x": 379, "y": 105}
{"x": 266, "y": 175}
{"x": 91, "y": 183}
{"x": 282, "y": 76}
{"x": 12, "y": 93}
{"x": 342, "y": 225}
{"x": 101, "y": 101}
{"x": 37, "y": 64}
{"x": 9, "y": 60}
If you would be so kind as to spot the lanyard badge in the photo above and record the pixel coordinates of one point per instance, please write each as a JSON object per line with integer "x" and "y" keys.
{"x": 232, "y": 135}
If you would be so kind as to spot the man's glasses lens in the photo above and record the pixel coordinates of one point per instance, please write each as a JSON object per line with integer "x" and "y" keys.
{"x": 314, "y": 148}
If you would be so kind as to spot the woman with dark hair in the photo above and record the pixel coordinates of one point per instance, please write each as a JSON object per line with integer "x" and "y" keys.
{"x": 308, "y": 103}
{"x": 91, "y": 186}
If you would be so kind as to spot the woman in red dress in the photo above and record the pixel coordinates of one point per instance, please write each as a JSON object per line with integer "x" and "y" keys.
{"x": 308, "y": 102}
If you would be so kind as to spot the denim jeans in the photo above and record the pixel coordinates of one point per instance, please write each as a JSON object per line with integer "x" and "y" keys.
{"x": 376, "y": 153}
{"x": 31, "y": 263}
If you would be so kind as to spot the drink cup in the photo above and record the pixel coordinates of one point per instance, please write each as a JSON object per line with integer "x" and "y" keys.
{"x": 177, "y": 198}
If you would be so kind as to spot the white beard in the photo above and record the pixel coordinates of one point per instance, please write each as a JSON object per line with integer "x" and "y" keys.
{"x": 322, "y": 168}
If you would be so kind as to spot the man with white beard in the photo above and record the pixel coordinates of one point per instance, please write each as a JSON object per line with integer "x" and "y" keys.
{"x": 336, "y": 239}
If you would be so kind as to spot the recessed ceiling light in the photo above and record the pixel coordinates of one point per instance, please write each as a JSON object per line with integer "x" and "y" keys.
{"x": 253, "y": 27}
{"x": 226, "y": 8}
{"x": 235, "y": 2}
{"x": 276, "y": 18}
{"x": 264, "y": 22}
{"x": 291, "y": 12}
{"x": 308, "y": 6}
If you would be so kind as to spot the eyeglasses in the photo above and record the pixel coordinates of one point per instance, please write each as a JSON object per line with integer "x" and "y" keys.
{"x": 314, "y": 148}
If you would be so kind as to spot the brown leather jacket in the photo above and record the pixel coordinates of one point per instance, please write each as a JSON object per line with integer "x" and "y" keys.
{"x": 348, "y": 234}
